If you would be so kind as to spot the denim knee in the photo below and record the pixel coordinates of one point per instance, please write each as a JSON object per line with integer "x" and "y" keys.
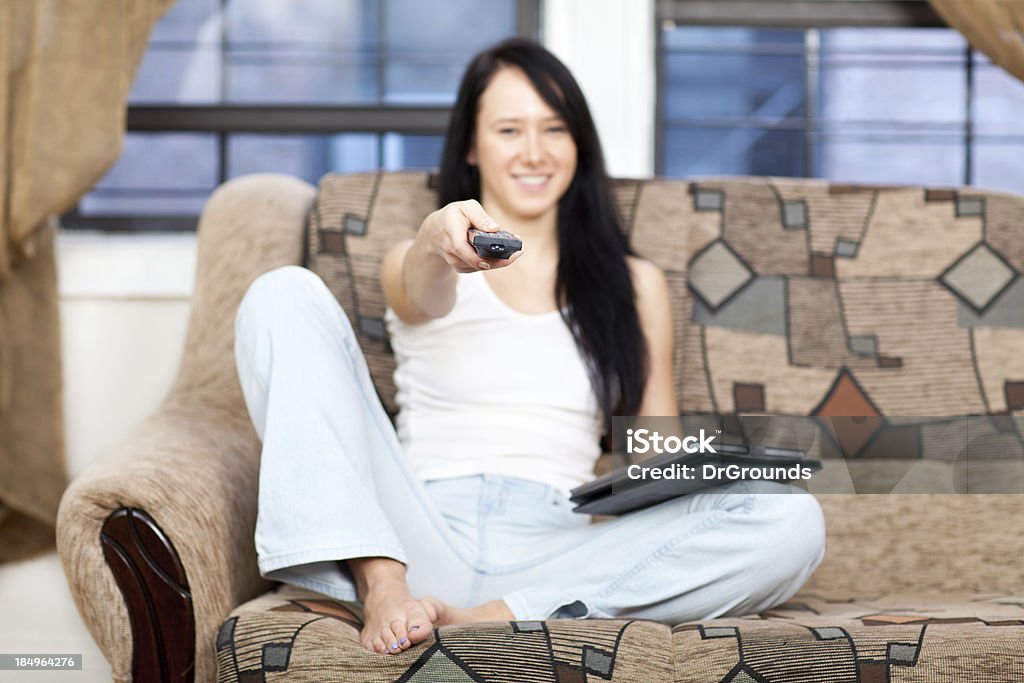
{"x": 281, "y": 295}
{"x": 792, "y": 542}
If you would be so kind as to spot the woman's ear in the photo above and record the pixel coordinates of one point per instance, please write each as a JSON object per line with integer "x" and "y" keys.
{"x": 471, "y": 155}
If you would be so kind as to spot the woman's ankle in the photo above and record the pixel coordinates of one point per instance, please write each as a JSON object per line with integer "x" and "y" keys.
{"x": 372, "y": 573}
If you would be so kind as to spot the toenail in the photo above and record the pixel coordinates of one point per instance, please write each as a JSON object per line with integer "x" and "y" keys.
{"x": 414, "y": 628}
{"x": 403, "y": 641}
{"x": 394, "y": 646}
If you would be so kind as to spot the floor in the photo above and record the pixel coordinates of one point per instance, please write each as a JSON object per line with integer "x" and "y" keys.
{"x": 38, "y": 617}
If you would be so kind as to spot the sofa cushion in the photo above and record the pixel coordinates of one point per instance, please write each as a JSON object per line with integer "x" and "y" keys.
{"x": 939, "y": 639}
{"x": 302, "y": 636}
{"x": 296, "y": 635}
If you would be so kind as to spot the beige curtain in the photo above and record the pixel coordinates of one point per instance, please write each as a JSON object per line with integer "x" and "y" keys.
{"x": 995, "y": 27}
{"x": 66, "y": 67}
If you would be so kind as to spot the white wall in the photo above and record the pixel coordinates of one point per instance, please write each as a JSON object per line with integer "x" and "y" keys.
{"x": 609, "y": 47}
{"x": 124, "y": 303}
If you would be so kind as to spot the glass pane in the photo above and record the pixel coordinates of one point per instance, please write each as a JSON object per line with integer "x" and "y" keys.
{"x": 732, "y": 39}
{"x": 926, "y": 162}
{"x": 157, "y": 174}
{"x": 306, "y": 156}
{"x": 182, "y": 63}
{"x": 998, "y": 100}
{"x": 747, "y": 73}
{"x": 999, "y": 166}
{"x": 767, "y": 88}
{"x": 355, "y": 152}
{"x": 428, "y": 45}
{"x": 904, "y": 75}
{"x": 316, "y": 51}
{"x": 412, "y": 151}
{"x": 733, "y": 151}
{"x": 311, "y": 156}
{"x": 302, "y": 51}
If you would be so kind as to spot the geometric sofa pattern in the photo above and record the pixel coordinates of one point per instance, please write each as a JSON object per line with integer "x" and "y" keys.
{"x": 901, "y": 306}
{"x": 792, "y": 298}
{"x": 294, "y": 635}
{"x": 883, "y": 303}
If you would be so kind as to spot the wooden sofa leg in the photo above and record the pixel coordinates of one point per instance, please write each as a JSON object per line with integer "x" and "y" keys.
{"x": 151, "y": 578}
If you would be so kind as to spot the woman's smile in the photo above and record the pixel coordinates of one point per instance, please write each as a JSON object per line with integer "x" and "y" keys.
{"x": 532, "y": 182}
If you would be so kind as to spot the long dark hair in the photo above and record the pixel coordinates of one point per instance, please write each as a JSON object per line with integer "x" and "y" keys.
{"x": 593, "y": 285}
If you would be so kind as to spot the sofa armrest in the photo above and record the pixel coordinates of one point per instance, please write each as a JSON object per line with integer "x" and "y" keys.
{"x": 194, "y": 474}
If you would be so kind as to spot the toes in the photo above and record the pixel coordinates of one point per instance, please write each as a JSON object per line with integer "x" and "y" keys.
{"x": 390, "y": 640}
{"x": 420, "y": 625}
{"x": 401, "y": 635}
{"x": 379, "y": 647}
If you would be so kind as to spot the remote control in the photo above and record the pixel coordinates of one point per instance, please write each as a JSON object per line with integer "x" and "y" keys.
{"x": 499, "y": 245}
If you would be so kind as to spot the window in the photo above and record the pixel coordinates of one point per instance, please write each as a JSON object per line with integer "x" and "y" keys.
{"x": 304, "y": 87}
{"x": 869, "y": 103}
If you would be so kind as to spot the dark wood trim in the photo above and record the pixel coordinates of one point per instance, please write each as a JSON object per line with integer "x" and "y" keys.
{"x": 528, "y": 19}
{"x": 800, "y": 13}
{"x": 155, "y": 589}
{"x": 287, "y": 120}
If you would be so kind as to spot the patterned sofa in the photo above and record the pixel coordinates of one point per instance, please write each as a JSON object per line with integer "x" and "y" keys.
{"x": 792, "y": 297}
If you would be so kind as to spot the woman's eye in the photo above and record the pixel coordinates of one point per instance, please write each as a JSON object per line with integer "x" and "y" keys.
{"x": 508, "y": 131}
{"x": 557, "y": 129}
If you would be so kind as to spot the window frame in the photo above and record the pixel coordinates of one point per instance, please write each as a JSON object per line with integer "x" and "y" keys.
{"x": 811, "y": 16}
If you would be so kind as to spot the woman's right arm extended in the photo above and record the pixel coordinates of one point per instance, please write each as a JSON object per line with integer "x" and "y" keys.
{"x": 418, "y": 275}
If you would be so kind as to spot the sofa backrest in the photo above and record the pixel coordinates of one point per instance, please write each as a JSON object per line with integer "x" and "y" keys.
{"x": 791, "y": 297}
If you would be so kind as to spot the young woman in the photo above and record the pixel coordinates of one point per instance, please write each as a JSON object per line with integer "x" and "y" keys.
{"x": 508, "y": 374}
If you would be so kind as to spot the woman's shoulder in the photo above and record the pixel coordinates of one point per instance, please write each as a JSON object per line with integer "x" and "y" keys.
{"x": 648, "y": 278}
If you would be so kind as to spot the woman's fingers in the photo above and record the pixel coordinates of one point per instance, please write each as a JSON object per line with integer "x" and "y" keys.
{"x": 477, "y": 217}
{"x": 455, "y": 220}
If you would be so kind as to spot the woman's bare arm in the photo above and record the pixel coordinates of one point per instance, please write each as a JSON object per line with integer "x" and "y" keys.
{"x": 418, "y": 275}
{"x": 655, "y": 311}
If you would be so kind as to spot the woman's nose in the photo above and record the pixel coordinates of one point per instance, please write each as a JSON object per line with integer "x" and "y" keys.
{"x": 533, "y": 147}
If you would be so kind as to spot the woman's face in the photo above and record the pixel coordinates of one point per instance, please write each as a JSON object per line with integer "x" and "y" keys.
{"x": 522, "y": 147}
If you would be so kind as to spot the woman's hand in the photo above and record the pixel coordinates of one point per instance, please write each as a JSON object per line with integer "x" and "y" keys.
{"x": 418, "y": 276}
{"x": 444, "y": 233}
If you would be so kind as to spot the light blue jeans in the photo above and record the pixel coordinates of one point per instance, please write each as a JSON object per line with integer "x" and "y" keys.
{"x": 333, "y": 485}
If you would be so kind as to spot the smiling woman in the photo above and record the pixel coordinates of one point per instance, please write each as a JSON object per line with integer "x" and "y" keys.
{"x": 508, "y": 373}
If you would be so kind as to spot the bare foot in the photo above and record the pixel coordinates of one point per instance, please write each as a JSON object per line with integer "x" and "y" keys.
{"x": 496, "y": 610}
{"x": 394, "y": 620}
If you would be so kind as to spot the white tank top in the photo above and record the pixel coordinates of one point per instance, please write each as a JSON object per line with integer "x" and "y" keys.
{"x": 488, "y": 389}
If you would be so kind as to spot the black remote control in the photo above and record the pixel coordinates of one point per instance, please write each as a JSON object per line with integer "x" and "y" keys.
{"x": 499, "y": 245}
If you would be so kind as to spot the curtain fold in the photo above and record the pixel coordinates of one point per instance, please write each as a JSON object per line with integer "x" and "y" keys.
{"x": 994, "y": 27}
{"x": 66, "y": 67}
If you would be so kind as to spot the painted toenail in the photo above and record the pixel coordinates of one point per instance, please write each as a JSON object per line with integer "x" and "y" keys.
{"x": 394, "y": 646}
{"x": 403, "y": 641}
{"x": 414, "y": 628}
